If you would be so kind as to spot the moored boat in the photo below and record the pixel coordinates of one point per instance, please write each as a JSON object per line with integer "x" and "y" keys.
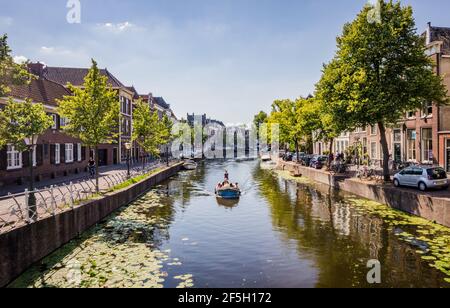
{"x": 190, "y": 165}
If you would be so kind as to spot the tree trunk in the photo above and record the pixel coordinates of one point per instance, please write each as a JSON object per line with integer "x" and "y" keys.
{"x": 297, "y": 149}
{"x": 331, "y": 152}
{"x": 97, "y": 188}
{"x": 32, "y": 198}
{"x": 386, "y": 156}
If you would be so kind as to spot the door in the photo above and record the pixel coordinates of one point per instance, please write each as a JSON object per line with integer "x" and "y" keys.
{"x": 115, "y": 156}
{"x": 102, "y": 157}
{"x": 397, "y": 152}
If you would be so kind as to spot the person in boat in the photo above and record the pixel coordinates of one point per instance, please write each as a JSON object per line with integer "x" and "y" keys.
{"x": 227, "y": 176}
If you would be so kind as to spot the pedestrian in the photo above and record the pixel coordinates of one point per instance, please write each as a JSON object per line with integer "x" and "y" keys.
{"x": 91, "y": 166}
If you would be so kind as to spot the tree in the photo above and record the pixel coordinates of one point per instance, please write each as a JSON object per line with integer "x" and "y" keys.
{"x": 259, "y": 119}
{"x": 146, "y": 129}
{"x": 10, "y": 73}
{"x": 381, "y": 71}
{"x": 92, "y": 112}
{"x": 21, "y": 123}
{"x": 166, "y": 135}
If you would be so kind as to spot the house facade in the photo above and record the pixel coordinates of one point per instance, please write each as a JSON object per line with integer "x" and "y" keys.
{"x": 56, "y": 153}
{"x": 422, "y": 136}
{"x": 108, "y": 154}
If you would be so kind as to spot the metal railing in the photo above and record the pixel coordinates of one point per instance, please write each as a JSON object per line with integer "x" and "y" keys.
{"x": 16, "y": 210}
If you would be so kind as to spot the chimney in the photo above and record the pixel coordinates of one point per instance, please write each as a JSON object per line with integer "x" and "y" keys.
{"x": 37, "y": 69}
{"x": 428, "y": 34}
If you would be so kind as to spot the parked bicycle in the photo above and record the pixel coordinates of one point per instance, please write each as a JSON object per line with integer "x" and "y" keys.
{"x": 365, "y": 173}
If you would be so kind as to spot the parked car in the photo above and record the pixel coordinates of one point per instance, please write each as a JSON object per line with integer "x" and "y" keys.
{"x": 422, "y": 177}
{"x": 288, "y": 157}
{"x": 317, "y": 162}
{"x": 306, "y": 160}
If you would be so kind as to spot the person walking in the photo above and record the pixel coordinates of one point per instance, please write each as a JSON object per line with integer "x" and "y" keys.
{"x": 91, "y": 166}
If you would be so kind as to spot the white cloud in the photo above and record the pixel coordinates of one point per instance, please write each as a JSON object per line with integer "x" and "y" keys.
{"x": 6, "y": 21}
{"x": 20, "y": 59}
{"x": 117, "y": 27}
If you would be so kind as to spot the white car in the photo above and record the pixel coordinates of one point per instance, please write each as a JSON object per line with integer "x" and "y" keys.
{"x": 422, "y": 177}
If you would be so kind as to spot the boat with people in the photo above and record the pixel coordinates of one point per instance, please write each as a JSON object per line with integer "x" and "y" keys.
{"x": 190, "y": 165}
{"x": 227, "y": 189}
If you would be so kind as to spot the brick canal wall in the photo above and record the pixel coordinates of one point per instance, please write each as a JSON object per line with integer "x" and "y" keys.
{"x": 21, "y": 248}
{"x": 425, "y": 205}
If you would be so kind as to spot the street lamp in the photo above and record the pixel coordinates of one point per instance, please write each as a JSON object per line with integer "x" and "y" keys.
{"x": 128, "y": 146}
{"x": 30, "y": 143}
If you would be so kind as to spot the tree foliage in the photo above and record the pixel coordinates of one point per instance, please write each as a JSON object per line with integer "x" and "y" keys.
{"x": 147, "y": 129}
{"x": 10, "y": 73}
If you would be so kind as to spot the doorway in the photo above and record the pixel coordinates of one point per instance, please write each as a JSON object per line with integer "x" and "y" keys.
{"x": 447, "y": 155}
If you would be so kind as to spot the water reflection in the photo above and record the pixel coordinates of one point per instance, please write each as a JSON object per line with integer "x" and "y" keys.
{"x": 281, "y": 233}
{"x": 340, "y": 239}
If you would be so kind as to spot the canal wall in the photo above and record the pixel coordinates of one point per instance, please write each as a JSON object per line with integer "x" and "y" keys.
{"x": 22, "y": 247}
{"x": 433, "y": 208}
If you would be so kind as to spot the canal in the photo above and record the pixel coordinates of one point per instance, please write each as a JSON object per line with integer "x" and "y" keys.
{"x": 284, "y": 232}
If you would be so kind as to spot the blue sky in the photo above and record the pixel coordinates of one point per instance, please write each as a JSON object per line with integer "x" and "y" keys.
{"x": 226, "y": 58}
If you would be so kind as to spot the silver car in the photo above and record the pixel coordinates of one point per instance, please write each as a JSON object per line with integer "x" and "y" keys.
{"x": 422, "y": 177}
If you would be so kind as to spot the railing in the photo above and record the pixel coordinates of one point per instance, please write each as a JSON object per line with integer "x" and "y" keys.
{"x": 17, "y": 210}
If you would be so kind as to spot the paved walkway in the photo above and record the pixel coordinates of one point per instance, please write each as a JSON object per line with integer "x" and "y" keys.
{"x": 12, "y": 207}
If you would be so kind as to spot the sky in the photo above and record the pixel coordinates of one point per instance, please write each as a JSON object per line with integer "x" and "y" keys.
{"x": 226, "y": 58}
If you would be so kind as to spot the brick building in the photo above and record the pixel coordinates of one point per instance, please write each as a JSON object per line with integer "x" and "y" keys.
{"x": 422, "y": 136}
{"x": 108, "y": 154}
{"x": 56, "y": 154}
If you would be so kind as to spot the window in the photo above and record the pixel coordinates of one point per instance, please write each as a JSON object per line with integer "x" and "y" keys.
{"x": 397, "y": 135}
{"x": 428, "y": 110}
{"x": 57, "y": 154}
{"x": 14, "y": 158}
{"x": 427, "y": 145}
{"x": 62, "y": 122}
{"x": 373, "y": 150}
{"x": 69, "y": 153}
{"x": 411, "y": 136}
{"x": 55, "y": 121}
{"x": 79, "y": 152}
{"x": 411, "y": 114}
{"x": 373, "y": 130}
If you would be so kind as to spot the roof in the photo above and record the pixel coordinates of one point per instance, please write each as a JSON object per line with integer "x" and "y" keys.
{"x": 75, "y": 76}
{"x": 441, "y": 34}
{"x": 162, "y": 103}
{"x": 40, "y": 91}
{"x": 135, "y": 93}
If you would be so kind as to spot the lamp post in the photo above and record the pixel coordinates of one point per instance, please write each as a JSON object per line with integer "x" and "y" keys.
{"x": 31, "y": 143}
{"x": 128, "y": 148}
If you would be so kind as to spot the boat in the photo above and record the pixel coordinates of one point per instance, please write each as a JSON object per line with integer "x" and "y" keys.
{"x": 266, "y": 158}
{"x": 190, "y": 165}
{"x": 228, "y": 192}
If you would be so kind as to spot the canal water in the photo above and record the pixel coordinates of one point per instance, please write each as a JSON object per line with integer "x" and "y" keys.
{"x": 283, "y": 232}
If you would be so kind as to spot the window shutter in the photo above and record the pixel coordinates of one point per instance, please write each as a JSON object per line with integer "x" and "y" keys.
{"x": 26, "y": 159}
{"x": 52, "y": 154}
{"x": 39, "y": 155}
{"x": 3, "y": 159}
{"x": 83, "y": 153}
{"x": 62, "y": 153}
{"x": 58, "y": 122}
{"x": 75, "y": 152}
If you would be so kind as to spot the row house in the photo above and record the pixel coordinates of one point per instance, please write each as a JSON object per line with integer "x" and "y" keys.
{"x": 340, "y": 145}
{"x": 56, "y": 154}
{"x": 108, "y": 154}
{"x": 422, "y": 136}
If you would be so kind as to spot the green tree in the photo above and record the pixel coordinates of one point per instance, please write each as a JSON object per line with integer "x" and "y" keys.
{"x": 381, "y": 71}
{"x": 166, "y": 135}
{"x": 10, "y": 73}
{"x": 21, "y": 123}
{"x": 258, "y": 120}
{"x": 92, "y": 112}
{"x": 146, "y": 129}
